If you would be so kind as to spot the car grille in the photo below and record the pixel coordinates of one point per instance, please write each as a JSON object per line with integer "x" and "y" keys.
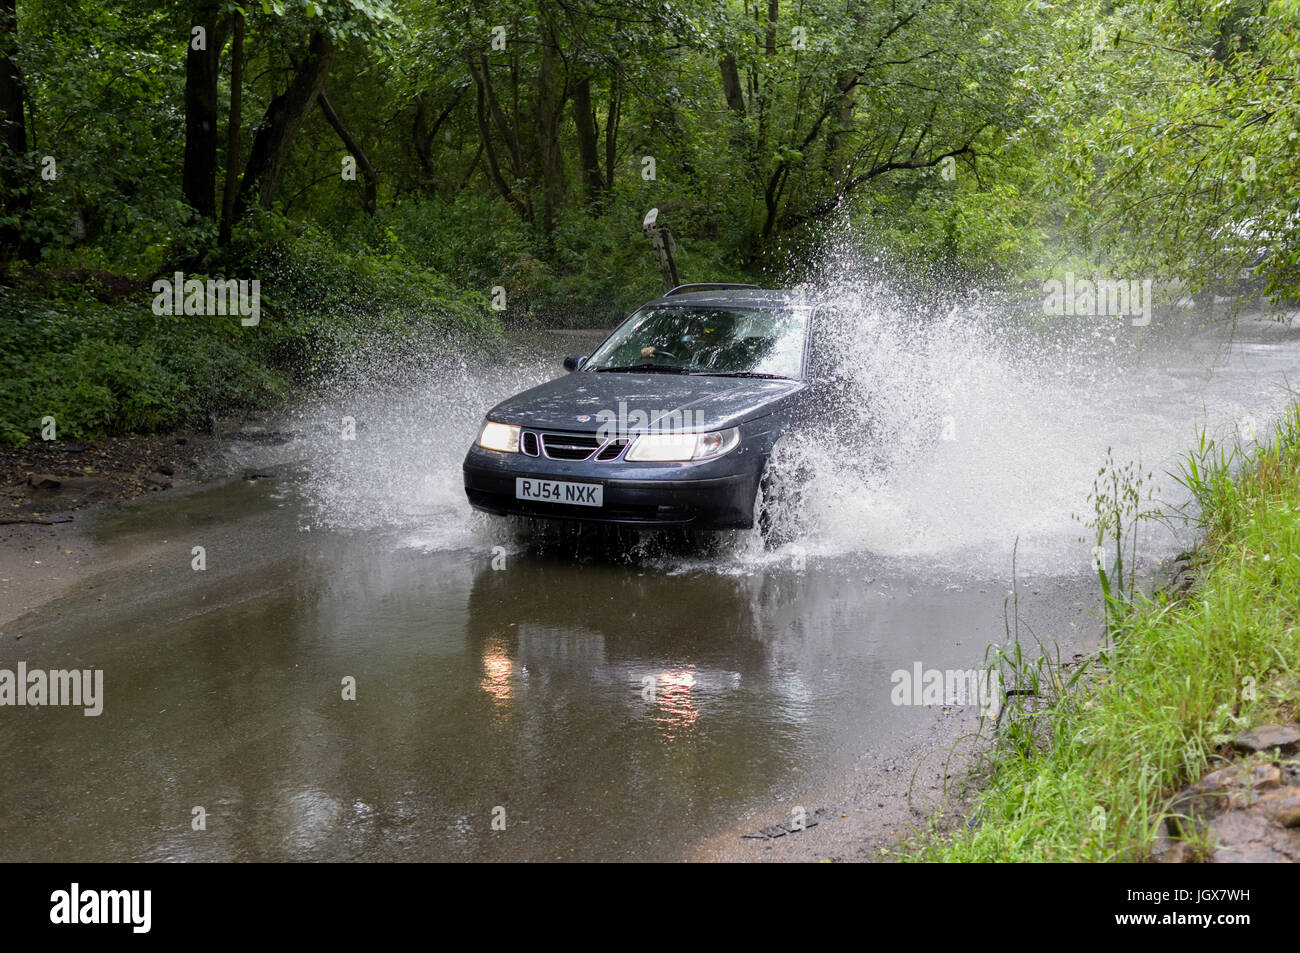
{"x": 611, "y": 450}
{"x": 565, "y": 446}
{"x": 572, "y": 446}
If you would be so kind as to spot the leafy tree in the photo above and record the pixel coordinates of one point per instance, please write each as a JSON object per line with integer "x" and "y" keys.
{"x": 1194, "y": 169}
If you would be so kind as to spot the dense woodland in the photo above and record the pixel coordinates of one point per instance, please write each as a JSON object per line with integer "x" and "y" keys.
{"x": 382, "y": 167}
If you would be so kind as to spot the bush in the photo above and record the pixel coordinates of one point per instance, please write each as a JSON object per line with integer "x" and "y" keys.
{"x": 101, "y": 368}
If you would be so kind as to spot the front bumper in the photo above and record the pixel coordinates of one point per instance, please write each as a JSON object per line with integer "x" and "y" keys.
{"x": 712, "y": 494}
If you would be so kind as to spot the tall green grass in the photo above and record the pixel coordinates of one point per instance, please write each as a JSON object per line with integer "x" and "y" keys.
{"x": 1091, "y": 777}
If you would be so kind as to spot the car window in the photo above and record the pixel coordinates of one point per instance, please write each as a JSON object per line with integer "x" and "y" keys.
{"x": 708, "y": 341}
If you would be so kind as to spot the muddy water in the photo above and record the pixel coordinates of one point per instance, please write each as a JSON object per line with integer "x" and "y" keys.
{"x": 496, "y": 682}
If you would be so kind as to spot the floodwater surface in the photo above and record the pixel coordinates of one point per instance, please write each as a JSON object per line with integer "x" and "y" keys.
{"x": 367, "y": 671}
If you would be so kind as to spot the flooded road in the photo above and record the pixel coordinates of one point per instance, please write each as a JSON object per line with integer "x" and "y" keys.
{"x": 364, "y": 670}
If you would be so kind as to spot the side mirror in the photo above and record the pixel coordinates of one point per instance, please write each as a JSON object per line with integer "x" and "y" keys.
{"x": 573, "y": 362}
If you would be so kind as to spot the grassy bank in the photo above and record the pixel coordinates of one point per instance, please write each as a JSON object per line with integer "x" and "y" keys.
{"x": 1091, "y": 778}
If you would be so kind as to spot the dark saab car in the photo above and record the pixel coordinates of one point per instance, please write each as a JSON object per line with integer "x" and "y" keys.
{"x": 671, "y": 421}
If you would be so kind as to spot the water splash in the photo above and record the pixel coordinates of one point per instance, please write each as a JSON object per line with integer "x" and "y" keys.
{"x": 976, "y": 421}
{"x": 383, "y": 448}
{"x": 968, "y": 422}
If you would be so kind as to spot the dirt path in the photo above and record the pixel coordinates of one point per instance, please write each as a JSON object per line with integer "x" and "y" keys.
{"x": 52, "y": 493}
{"x": 861, "y": 815}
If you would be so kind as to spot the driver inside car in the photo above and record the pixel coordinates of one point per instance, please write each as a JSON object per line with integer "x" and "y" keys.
{"x": 698, "y": 346}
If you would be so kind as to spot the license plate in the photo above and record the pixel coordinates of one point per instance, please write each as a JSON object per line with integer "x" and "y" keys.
{"x": 559, "y": 491}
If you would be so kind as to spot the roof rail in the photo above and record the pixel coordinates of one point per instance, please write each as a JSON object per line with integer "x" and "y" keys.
{"x": 708, "y": 286}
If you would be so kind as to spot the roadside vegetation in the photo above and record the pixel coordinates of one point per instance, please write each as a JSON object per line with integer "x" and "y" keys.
{"x": 100, "y": 361}
{"x": 1090, "y": 776}
{"x": 382, "y": 167}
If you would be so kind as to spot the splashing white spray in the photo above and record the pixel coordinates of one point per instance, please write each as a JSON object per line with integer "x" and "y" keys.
{"x": 968, "y": 423}
{"x": 975, "y": 421}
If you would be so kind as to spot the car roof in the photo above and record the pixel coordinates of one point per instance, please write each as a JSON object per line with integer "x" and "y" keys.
{"x": 759, "y": 298}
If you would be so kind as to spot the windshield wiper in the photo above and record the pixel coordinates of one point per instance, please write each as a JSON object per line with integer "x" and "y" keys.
{"x": 770, "y": 377}
{"x": 644, "y": 369}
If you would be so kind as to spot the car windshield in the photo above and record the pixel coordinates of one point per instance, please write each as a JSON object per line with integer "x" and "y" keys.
{"x": 696, "y": 340}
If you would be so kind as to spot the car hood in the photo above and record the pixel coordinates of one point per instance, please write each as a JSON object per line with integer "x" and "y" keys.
{"x": 705, "y": 403}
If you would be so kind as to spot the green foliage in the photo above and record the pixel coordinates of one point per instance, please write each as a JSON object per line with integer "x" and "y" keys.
{"x": 100, "y": 368}
{"x": 1190, "y": 172}
{"x": 1096, "y": 782}
{"x": 1122, "y": 498}
{"x": 969, "y": 141}
{"x": 109, "y": 368}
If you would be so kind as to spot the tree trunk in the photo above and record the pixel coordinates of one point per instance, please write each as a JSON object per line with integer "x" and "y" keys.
{"x": 584, "y": 121}
{"x": 612, "y": 117}
{"x": 842, "y": 127}
{"x": 763, "y": 87}
{"x": 369, "y": 202}
{"x": 772, "y": 198}
{"x": 549, "y": 107}
{"x": 13, "y": 121}
{"x": 422, "y": 143}
{"x": 14, "y": 191}
{"x": 279, "y": 127}
{"x": 202, "y": 69}
{"x": 481, "y": 88}
{"x": 423, "y": 138}
{"x": 483, "y": 80}
{"x": 731, "y": 85}
{"x": 233, "y": 121}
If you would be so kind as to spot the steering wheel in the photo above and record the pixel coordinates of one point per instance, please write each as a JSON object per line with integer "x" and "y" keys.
{"x": 660, "y": 352}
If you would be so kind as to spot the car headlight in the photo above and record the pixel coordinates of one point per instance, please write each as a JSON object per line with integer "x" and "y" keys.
{"x": 503, "y": 437}
{"x": 665, "y": 447}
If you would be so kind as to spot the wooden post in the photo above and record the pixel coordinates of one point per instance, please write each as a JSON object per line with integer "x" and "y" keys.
{"x": 661, "y": 240}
